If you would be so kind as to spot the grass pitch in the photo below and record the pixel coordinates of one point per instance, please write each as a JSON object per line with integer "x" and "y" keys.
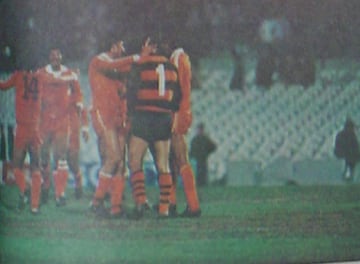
{"x": 289, "y": 224}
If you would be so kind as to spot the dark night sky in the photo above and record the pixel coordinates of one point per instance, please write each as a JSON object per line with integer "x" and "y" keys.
{"x": 82, "y": 28}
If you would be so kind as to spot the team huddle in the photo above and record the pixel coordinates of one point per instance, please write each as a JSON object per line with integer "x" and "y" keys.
{"x": 139, "y": 102}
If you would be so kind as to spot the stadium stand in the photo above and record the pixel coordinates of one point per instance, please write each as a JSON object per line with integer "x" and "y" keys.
{"x": 283, "y": 123}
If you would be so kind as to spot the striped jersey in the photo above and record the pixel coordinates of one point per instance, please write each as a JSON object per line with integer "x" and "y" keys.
{"x": 155, "y": 86}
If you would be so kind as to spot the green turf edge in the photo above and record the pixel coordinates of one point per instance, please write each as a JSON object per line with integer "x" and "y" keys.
{"x": 253, "y": 249}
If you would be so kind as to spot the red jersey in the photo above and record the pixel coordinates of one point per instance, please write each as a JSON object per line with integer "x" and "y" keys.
{"x": 108, "y": 86}
{"x": 60, "y": 89}
{"x": 183, "y": 118}
{"x": 182, "y": 62}
{"x": 28, "y": 95}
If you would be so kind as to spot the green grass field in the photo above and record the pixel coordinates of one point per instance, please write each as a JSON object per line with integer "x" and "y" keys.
{"x": 289, "y": 224}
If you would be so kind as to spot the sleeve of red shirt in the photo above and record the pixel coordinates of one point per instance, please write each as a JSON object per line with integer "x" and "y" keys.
{"x": 185, "y": 82}
{"x": 122, "y": 64}
{"x": 183, "y": 118}
{"x": 77, "y": 96}
{"x": 10, "y": 82}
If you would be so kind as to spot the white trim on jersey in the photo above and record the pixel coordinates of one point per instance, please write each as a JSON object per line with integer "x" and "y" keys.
{"x": 59, "y": 74}
{"x": 175, "y": 56}
{"x": 105, "y": 57}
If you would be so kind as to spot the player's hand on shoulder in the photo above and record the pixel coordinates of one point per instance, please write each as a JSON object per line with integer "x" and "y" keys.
{"x": 148, "y": 48}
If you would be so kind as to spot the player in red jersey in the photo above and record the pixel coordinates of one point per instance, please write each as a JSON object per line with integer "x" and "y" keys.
{"x": 60, "y": 88}
{"x": 28, "y": 95}
{"x": 109, "y": 117}
{"x": 182, "y": 122}
{"x": 152, "y": 99}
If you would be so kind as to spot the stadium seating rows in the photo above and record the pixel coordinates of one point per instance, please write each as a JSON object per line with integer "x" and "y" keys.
{"x": 290, "y": 122}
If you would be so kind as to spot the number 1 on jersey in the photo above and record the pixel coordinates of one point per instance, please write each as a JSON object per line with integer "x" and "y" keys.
{"x": 160, "y": 70}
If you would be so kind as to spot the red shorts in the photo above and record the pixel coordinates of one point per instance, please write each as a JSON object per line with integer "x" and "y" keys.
{"x": 27, "y": 136}
{"x": 57, "y": 128}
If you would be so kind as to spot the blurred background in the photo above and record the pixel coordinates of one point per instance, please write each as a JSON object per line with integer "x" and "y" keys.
{"x": 82, "y": 28}
{"x": 273, "y": 80}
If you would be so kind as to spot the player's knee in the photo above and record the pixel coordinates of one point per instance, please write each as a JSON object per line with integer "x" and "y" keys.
{"x": 182, "y": 160}
{"x": 135, "y": 165}
{"x": 111, "y": 163}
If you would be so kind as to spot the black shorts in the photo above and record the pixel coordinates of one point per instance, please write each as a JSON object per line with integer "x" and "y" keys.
{"x": 151, "y": 126}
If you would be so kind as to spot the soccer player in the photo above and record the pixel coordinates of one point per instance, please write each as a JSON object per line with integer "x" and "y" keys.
{"x": 152, "y": 99}
{"x": 181, "y": 124}
{"x": 61, "y": 88}
{"x": 107, "y": 76}
{"x": 28, "y": 94}
{"x": 78, "y": 122}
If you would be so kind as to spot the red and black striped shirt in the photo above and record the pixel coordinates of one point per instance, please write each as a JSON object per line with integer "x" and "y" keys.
{"x": 156, "y": 87}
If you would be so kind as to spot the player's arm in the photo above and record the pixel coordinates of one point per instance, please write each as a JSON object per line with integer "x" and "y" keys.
{"x": 81, "y": 110}
{"x": 145, "y": 54}
{"x": 76, "y": 93}
{"x": 185, "y": 83}
{"x": 183, "y": 117}
{"x": 121, "y": 63}
{"x": 9, "y": 83}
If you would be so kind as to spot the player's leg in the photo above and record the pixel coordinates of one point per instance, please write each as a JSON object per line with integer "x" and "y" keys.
{"x": 35, "y": 174}
{"x": 18, "y": 161}
{"x": 73, "y": 159}
{"x": 110, "y": 145}
{"x": 137, "y": 150}
{"x": 180, "y": 151}
{"x": 104, "y": 181}
{"x": 98, "y": 126}
{"x": 175, "y": 171}
{"x": 118, "y": 180}
{"x": 162, "y": 150}
{"x": 61, "y": 174}
{"x": 45, "y": 166}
